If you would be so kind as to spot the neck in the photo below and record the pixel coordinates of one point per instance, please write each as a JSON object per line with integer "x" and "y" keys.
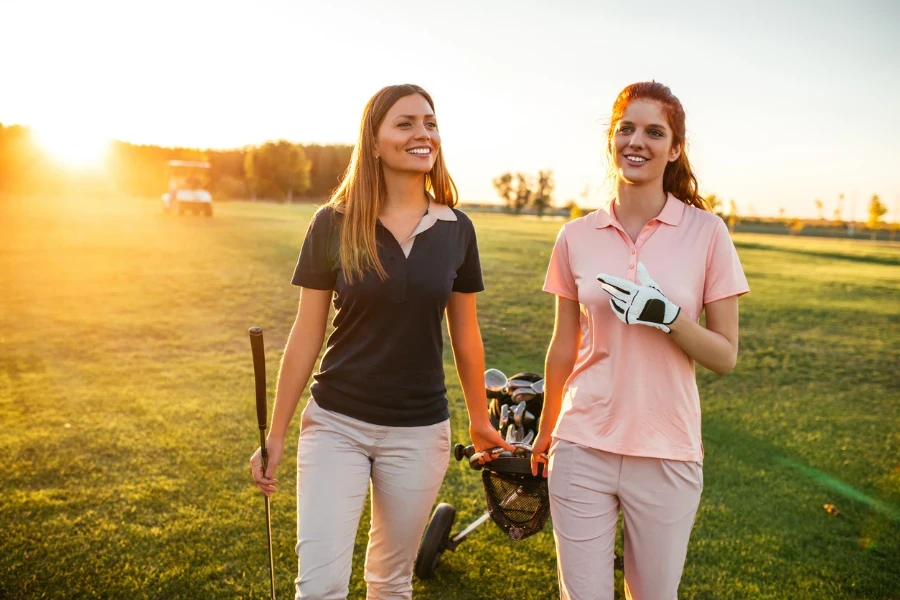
{"x": 639, "y": 203}
{"x": 405, "y": 191}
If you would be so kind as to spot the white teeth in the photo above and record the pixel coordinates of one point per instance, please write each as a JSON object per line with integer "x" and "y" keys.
{"x": 419, "y": 151}
{"x": 636, "y": 158}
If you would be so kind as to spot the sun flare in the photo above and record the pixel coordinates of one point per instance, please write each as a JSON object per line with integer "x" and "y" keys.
{"x": 73, "y": 147}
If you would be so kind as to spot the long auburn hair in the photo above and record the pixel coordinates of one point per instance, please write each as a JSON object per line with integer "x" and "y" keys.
{"x": 362, "y": 192}
{"x": 678, "y": 178}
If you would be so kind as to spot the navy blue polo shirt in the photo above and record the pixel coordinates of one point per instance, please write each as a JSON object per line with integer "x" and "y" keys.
{"x": 383, "y": 362}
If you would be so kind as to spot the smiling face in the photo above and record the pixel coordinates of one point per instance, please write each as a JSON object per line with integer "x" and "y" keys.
{"x": 407, "y": 139}
{"x": 643, "y": 143}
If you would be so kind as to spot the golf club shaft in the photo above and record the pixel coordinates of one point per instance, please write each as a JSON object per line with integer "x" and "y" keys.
{"x": 259, "y": 369}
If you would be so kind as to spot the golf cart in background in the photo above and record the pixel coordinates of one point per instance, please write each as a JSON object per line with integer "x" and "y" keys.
{"x": 188, "y": 183}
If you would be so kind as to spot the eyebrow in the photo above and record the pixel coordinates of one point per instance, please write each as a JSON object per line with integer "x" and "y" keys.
{"x": 650, "y": 125}
{"x": 429, "y": 116}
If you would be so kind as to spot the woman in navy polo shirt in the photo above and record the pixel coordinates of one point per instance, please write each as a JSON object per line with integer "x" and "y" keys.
{"x": 393, "y": 258}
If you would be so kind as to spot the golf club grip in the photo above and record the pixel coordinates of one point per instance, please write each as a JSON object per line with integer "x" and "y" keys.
{"x": 259, "y": 369}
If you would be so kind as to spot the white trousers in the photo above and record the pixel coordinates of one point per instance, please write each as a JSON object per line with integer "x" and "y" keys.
{"x": 658, "y": 498}
{"x": 338, "y": 458}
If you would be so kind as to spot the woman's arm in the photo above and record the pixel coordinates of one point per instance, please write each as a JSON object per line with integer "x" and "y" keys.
{"x": 716, "y": 345}
{"x": 561, "y": 357}
{"x": 300, "y": 354}
{"x": 468, "y": 352}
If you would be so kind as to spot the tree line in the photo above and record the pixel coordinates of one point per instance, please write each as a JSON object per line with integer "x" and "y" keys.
{"x": 276, "y": 170}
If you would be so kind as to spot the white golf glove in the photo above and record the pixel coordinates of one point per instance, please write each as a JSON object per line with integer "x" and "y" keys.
{"x": 644, "y": 304}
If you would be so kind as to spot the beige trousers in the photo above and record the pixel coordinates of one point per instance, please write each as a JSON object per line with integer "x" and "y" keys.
{"x": 658, "y": 498}
{"x": 338, "y": 458}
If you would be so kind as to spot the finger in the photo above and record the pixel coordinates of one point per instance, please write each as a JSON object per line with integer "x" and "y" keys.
{"x": 615, "y": 292}
{"x": 622, "y": 285}
{"x": 618, "y": 309}
{"x": 644, "y": 276}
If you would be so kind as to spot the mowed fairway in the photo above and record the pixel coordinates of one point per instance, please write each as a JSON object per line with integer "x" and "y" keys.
{"x": 127, "y": 411}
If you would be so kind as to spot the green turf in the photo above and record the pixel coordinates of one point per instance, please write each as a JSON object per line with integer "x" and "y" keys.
{"x": 126, "y": 398}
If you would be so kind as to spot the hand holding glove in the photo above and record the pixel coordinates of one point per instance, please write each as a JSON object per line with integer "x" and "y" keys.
{"x": 643, "y": 304}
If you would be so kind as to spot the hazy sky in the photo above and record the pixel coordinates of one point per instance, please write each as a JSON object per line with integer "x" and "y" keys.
{"x": 785, "y": 103}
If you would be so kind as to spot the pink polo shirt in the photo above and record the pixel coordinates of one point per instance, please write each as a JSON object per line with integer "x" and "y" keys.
{"x": 633, "y": 390}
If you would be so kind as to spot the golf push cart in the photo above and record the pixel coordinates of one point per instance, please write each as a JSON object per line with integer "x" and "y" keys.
{"x": 188, "y": 183}
{"x": 518, "y": 502}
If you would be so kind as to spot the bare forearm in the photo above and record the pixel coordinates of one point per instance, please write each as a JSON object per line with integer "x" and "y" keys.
{"x": 468, "y": 352}
{"x": 561, "y": 357}
{"x": 299, "y": 358}
{"x": 708, "y": 348}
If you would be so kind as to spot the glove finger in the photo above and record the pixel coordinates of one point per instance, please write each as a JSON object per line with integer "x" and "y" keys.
{"x": 623, "y": 285}
{"x": 644, "y": 276}
{"x": 618, "y": 309}
{"x": 616, "y": 292}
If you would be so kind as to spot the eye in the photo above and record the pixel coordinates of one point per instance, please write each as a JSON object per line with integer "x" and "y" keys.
{"x": 656, "y": 133}
{"x": 626, "y": 129}
{"x": 404, "y": 124}
{"x": 431, "y": 124}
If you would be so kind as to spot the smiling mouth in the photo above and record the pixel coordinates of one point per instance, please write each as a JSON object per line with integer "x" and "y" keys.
{"x": 635, "y": 158}
{"x": 419, "y": 151}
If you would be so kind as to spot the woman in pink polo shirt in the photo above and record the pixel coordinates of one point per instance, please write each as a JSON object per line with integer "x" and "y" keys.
{"x": 622, "y": 413}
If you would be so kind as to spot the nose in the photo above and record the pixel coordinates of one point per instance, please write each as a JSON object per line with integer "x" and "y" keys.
{"x": 636, "y": 140}
{"x": 422, "y": 132}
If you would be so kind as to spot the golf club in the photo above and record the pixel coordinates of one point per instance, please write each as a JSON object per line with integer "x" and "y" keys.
{"x": 515, "y": 384}
{"x": 494, "y": 382}
{"x": 518, "y": 413}
{"x": 523, "y": 395}
{"x": 504, "y": 417}
{"x": 259, "y": 369}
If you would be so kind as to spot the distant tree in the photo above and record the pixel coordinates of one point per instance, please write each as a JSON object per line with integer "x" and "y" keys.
{"x": 839, "y": 210}
{"x": 515, "y": 191}
{"x": 820, "y": 209}
{"x": 732, "y": 215}
{"x": 796, "y": 226}
{"x": 504, "y": 186}
{"x": 542, "y": 197}
{"x": 250, "y": 173}
{"x": 877, "y": 209}
{"x": 228, "y": 186}
{"x": 714, "y": 203}
{"x": 280, "y": 168}
{"x": 328, "y": 165}
{"x": 575, "y": 211}
{"x": 523, "y": 192}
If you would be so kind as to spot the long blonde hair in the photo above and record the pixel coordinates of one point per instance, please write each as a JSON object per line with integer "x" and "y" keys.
{"x": 362, "y": 193}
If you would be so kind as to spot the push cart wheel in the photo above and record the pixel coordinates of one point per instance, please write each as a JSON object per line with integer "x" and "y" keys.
{"x": 435, "y": 540}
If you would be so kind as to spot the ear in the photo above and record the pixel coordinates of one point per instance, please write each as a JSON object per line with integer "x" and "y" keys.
{"x": 675, "y": 152}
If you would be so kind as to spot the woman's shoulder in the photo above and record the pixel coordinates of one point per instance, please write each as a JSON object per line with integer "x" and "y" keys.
{"x": 702, "y": 218}
{"x": 595, "y": 219}
{"x": 326, "y": 216}
{"x": 460, "y": 215}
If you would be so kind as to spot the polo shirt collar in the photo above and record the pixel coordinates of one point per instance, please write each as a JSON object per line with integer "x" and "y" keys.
{"x": 670, "y": 214}
{"x": 436, "y": 212}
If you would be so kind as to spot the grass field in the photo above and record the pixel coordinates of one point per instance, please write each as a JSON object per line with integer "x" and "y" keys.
{"x": 126, "y": 398}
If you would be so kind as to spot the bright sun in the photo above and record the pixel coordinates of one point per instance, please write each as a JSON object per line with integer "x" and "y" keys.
{"x": 73, "y": 147}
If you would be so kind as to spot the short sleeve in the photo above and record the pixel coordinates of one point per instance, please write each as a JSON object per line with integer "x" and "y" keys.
{"x": 468, "y": 276}
{"x": 314, "y": 267}
{"x": 724, "y": 274}
{"x": 560, "y": 280}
